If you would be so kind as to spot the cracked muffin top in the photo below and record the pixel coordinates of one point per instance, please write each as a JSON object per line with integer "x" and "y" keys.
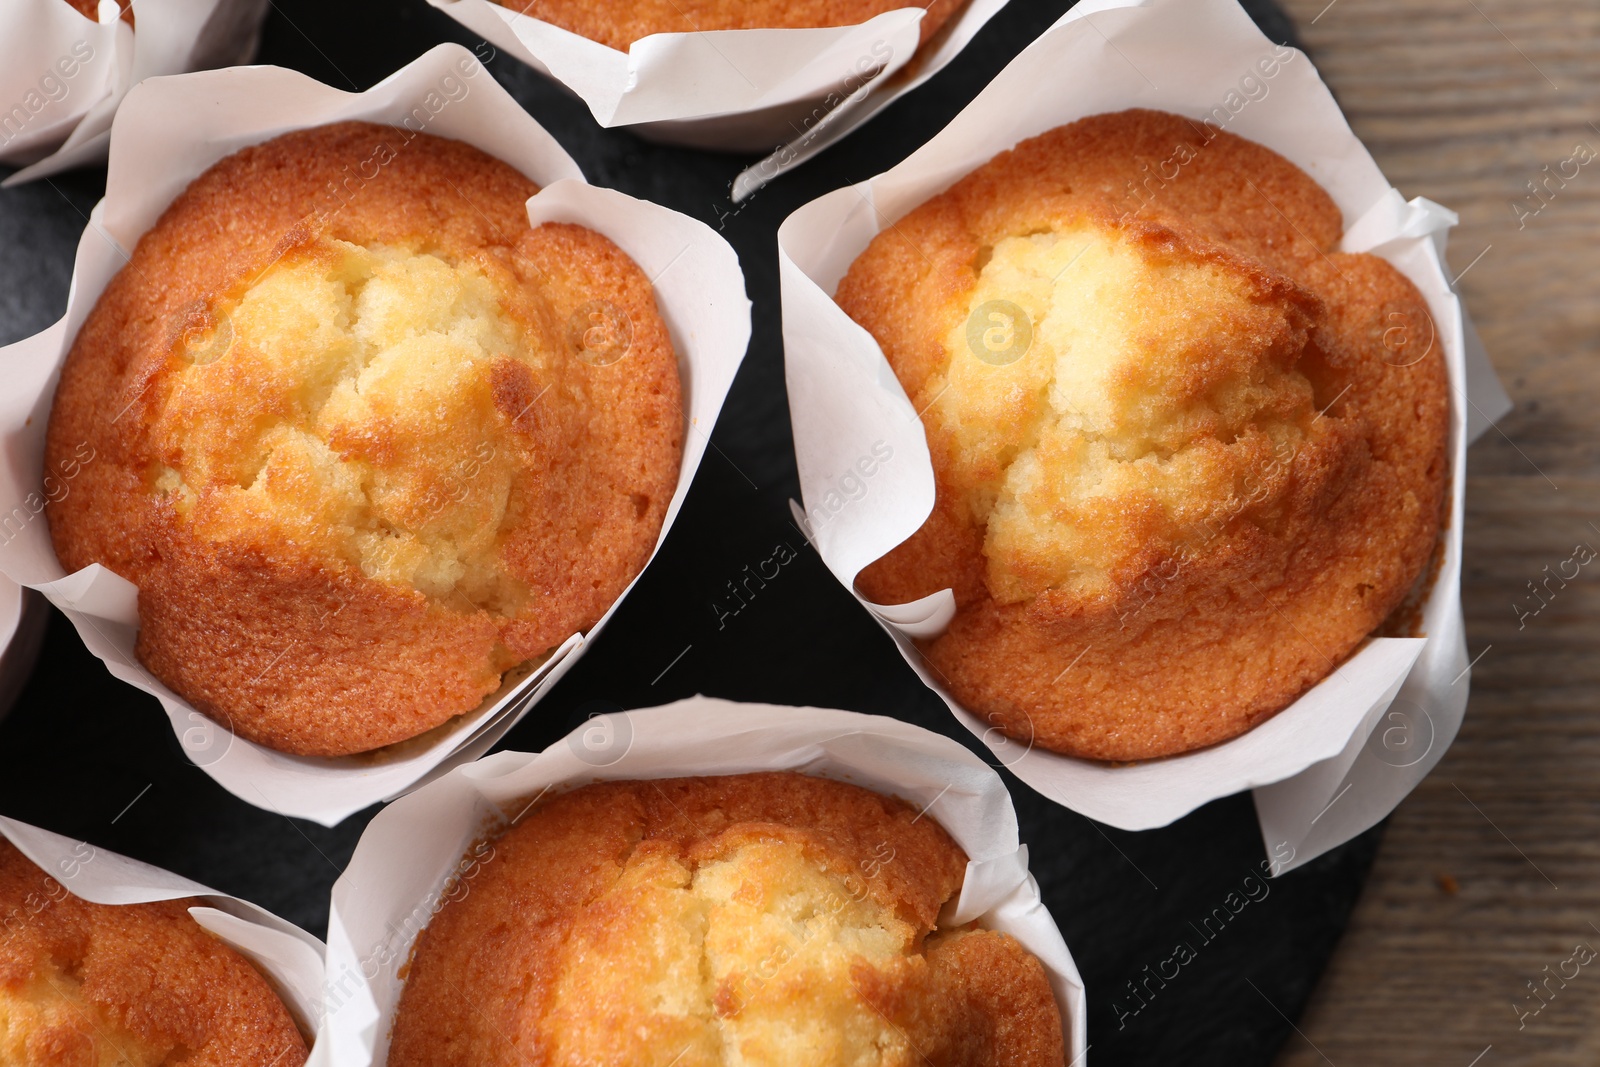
{"x": 131, "y": 985}
{"x": 363, "y": 438}
{"x": 1188, "y": 455}
{"x": 767, "y": 918}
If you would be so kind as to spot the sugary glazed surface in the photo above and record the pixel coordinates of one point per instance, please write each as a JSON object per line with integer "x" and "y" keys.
{"x": 138, "y": 985}
{"x": 770, "y": 919}
{"x": 1188, "y": 455}
{"x": 363, "y": 438}
{"x": 618, "y": 23}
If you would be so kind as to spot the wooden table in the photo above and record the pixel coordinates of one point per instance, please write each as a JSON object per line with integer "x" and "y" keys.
{"x": 1489, "y": 876}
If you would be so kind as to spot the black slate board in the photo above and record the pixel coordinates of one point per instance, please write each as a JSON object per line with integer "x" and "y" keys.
{"x": 87, "y": 756}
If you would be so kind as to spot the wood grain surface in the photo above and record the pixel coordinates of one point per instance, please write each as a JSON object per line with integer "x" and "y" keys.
{"x": 1489, "y": 876}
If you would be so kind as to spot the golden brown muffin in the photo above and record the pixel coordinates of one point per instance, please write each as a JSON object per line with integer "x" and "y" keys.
{"x": 1188, "y": 455}
{"x": 133, "y": 985}
{"x": 363, "y": 439}
{"x": 618, "y": 23}
{"x": 749, "y": 919}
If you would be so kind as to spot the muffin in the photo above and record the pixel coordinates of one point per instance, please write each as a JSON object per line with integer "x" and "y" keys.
{"x": 1187, "y": 454}
{"x": 131, "y": 984}
{"x": 364, "y": 440}
{"x": 618, "y": 24}
{"x": 767, "y": 918}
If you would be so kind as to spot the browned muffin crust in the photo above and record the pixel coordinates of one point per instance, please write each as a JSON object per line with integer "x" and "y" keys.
{"x": 139, "y": 984}
{"x": 618, "y": 23}
{"x": 790, "y": 918}
{"x": 1157, "y": 546}
{"x": 361, "y": 437}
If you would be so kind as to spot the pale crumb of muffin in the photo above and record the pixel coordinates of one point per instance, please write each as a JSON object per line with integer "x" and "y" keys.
{"x": 353, "y": 412}
{"x": 51, "y": 1012}
{"x": 1154, "y": 384}
{"x": 711, "y": 928}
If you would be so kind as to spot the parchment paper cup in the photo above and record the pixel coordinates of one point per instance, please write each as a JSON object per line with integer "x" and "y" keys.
{"x": 167, "y": 133}
{"x": 62, "y": 76}
{"x": 409, "y": 854}
{"x": 1344, "y": 754}
{"x": 795, "y": 91}
{"x": 287, "y": 957}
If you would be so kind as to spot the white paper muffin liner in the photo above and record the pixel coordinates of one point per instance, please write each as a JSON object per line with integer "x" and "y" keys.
{"x": 289, "y": 958}
{"x": 1344, "y": 754}
{"x": 735, "y": 90}
{"x": 403, "y": 866}
{"x": 170, "y": 130}
{"x": 62, "y": 76}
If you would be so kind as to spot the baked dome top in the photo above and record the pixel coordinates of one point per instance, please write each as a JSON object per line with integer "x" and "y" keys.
{"x": 1188, "y": 455}
{"x": 364, "y": 439}
{"x": 767, "y": 918}
{"x": 140, "y": 985}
